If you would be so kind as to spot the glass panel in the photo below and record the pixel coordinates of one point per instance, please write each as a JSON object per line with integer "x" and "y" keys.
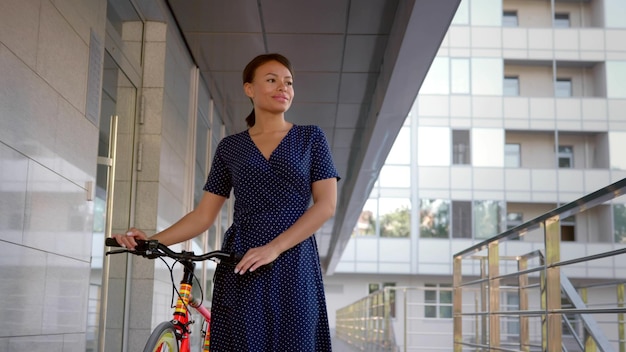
{"x": 509, "y": 19}
{"x": 437, "y": 79}
{"x": 487, "y": 76}
{"x": 487, "y": 147}
{"x": 510, "y": 86}
{"x": 395, "y": 217}
{"x": 512, "y": 155}
{"x": 614, "y": 13}
{"x": 487, "y": 218}
{"x": 460, "y": 76}
{"x": 615, "y": 78}
{"x": 118, "y": 99}
{"x": 561, "y": 20}
{"x": 366, "y": 224}
{"x": 127, "y": 29}
{"x": 486, "y": 12}
{"x": 434, "y": 218}
{"x": 395, "y": 176}
{"x": 462, "y": 13}
{"x": 563, "y": 87}
{"x": 445, "y": 312}
{"x": 461, "y": 219}
{"x": 430, "y": 311}
{"x": 433, "y": 146}
{"x": 430, "y": 296}
{"x": 619, "y": 222}
{"x": 461, "y": 150}
{"x": 373, "y": 288}
{"x": 566, "y": 156}
{"x": 617, "y": 146}
{"x": 400, "y": 153}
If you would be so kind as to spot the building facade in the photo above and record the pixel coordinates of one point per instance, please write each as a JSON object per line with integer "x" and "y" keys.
{"x": 523, "y": 110}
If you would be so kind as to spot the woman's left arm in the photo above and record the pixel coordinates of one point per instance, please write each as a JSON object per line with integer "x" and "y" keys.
{"x": 323, "y": 208}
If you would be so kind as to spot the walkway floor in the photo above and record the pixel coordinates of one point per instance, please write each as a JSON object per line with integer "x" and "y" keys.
{"x": 341, "y": 346}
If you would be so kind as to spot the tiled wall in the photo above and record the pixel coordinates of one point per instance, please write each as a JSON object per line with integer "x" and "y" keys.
{"x": 47, "y": 155}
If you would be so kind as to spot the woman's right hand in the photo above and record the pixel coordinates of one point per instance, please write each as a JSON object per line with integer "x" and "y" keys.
{"x": 128, "y": 240}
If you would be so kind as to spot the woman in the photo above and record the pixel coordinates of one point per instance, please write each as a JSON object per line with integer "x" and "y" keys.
{"x": 275, "y": 168}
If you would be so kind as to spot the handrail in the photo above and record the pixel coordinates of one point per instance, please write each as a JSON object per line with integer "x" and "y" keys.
{"x": 598, "y": 197}
{"x": 551, "y": 282}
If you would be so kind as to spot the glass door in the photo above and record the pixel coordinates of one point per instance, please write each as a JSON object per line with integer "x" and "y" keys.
{"x": 112, "y": 208}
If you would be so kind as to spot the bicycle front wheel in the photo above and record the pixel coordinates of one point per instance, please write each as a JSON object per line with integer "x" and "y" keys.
{"x": 162, "y": 339}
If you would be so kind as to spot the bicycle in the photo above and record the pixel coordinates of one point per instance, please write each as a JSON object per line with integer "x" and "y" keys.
{"x": 173, "y": 335}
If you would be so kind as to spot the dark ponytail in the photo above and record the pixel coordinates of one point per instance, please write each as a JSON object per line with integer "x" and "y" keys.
{"x": 251, "y": 119}
{"x": 250, "y": 70}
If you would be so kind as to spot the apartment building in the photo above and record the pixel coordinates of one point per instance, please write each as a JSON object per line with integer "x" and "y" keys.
{"x": 523, "y": 110}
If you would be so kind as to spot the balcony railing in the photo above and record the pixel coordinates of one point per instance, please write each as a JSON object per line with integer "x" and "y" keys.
{"x": 551, "y": 313}
{"x": 518, "y": 302}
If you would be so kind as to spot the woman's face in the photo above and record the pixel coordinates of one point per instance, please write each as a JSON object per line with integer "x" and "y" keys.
{"x": 271, "y": 89}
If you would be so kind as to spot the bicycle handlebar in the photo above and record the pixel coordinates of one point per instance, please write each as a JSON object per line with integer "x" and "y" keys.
{"x": 153, "y": 249}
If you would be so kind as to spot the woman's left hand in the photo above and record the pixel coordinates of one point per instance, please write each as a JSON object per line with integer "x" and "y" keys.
{"x": 256, "y": 258}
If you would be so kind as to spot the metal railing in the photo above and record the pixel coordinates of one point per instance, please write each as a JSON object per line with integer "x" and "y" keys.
{"x": 537, "y": 274}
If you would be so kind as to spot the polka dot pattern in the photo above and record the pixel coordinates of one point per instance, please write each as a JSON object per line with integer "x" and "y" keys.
{"x": 281, "y": 308}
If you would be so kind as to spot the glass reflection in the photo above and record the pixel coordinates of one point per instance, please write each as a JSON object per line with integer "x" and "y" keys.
{"x": 619, "y": 223}
{"x": 433, "y": 146}
{"x": 615, "y": 78}
{"x": 400, "y": 153}
{"x": 614, "y": 13}
{"x": 434, "y": 218}
{"x": 487, "y": 76}
{"x": 617, "y": 145}
{"x": 488, "y": 147}
{"x": 395, "y": 217}
{"x": 438, "y": 77}
{"x": 486, "y": 12}
{"x": 487, "y": 218}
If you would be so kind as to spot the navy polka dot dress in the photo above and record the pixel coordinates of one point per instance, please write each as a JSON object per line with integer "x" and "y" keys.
{"x": 280, "y": 308}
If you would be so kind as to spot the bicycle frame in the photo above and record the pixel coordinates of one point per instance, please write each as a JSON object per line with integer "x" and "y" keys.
{"x": 177, "y": 331}
{"x": 180, "y": 318}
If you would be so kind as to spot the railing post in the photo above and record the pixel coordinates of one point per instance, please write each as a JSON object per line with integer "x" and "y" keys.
{"x": 457, "y": 304}
{"x": 483, "y": 301}
{"x": 620, "y": 318}
{"x": 590, "y": 343}
{"x": 494, "y": 294}
{"x": 554, "y": 331}
{"x": 524, "y": 338}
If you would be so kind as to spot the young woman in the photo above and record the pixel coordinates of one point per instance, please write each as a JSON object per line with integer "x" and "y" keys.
{"x": 285, "y": 188}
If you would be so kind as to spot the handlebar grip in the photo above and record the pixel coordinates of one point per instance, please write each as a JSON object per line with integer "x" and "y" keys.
{"x": 111, "y": 242}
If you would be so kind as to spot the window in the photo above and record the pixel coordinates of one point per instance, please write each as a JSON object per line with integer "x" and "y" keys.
{"x": 563, "y": 87}
{"x": 568, "y": 229}
{"x": 434, "y": 218}
{"x": 487, "y": 218}
{"x": 566, "y": 156}
{"x": 561, "y": 20}
{"x": 511, "y": 86}
{"x": 461, "y": 147}
{"x": 461, "y": 219}
{"x": 512, "y": 155}
{"x": 438, "y": 301}
{"x": 619, "y": 223}
{"x": 514, "y": 220}
{"x": 509, "y": 19}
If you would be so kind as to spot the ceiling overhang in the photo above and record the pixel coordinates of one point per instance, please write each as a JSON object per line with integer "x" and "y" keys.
{"x": 358, "y": 66}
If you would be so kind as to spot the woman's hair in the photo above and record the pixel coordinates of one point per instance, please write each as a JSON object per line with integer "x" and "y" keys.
{"x": 250, "y": 70}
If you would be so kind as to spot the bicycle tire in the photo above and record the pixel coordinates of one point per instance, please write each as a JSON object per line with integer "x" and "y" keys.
{"x": 162, "y": 339}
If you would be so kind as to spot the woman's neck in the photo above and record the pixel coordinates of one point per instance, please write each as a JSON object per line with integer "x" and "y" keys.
{"x": 265, "y": 124}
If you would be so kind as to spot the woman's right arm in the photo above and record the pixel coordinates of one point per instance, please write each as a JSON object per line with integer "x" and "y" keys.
{"x": 188, "y": 227}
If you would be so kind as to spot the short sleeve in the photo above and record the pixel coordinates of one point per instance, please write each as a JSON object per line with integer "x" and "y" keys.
{"x": 322, "y": 166}
{"x": 219, "y": 180}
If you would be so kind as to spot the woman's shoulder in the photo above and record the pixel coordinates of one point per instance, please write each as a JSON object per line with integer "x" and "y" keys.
{"x": 311, "y": 130}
